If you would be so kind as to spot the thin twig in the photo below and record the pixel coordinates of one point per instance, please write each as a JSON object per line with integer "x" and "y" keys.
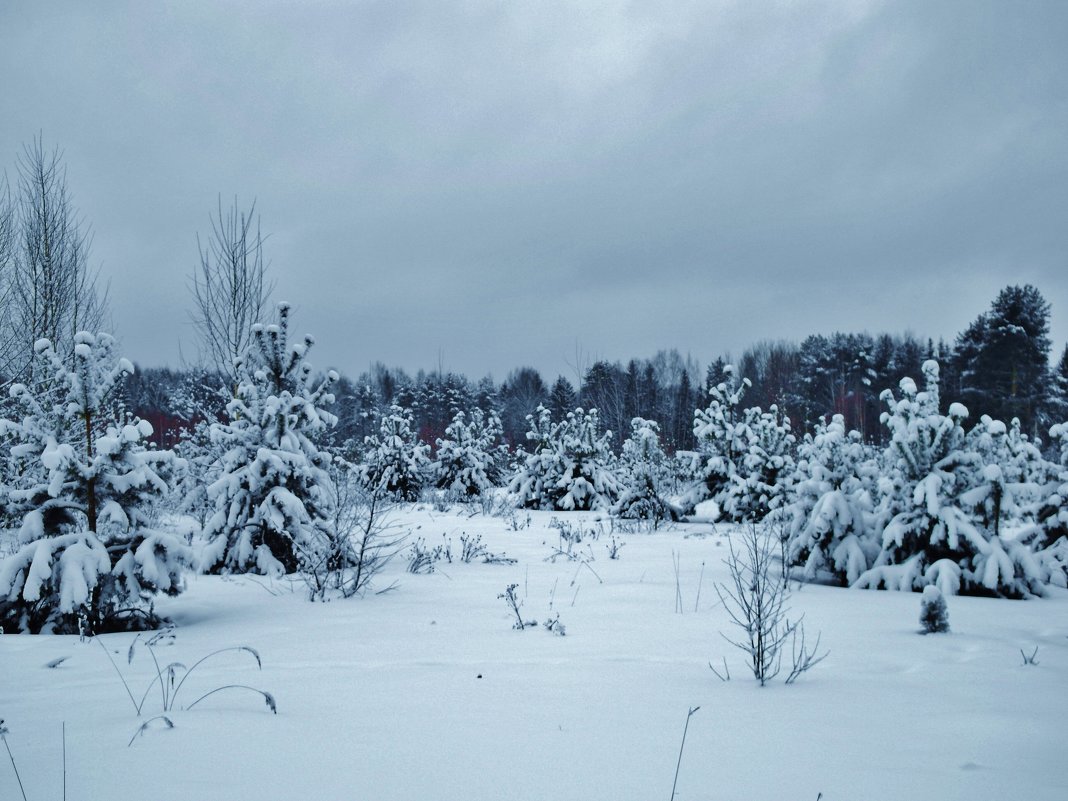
{"x": 685, "y": 729}
{"x": 133, "y": 701}
{"x": 726, "y": 675}
{"x": 3, "y": 736}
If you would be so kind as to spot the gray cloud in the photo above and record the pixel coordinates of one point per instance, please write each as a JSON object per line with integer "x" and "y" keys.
{"x": 501, "y": 183}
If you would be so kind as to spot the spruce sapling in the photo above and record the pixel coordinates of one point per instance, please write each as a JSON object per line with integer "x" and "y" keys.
{"x": 934, "y": 615}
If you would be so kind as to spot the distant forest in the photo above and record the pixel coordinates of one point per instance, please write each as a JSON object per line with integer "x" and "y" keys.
{"x": 998, "y": 366}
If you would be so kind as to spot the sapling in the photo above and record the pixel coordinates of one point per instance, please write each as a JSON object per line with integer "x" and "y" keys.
{"x": 757, "y": 602}
{"x": 934, "y": 615}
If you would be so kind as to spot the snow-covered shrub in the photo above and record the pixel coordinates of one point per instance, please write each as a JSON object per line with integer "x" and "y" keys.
{"x": 468, "y": 460}
{"x": 364, "y": 539}
{"x": 273, "y": 498}
{"x": 201, "y": 461}
{"x": 1047, "y": 533}
{"x": 86, "y": 491}
{"x": 571, "y": 466}
{"x": 1053, "y": 510}
{"x": 762, "y": 473}
{"x": 394, "y": 458}
{"x": 722, "y": 435}
{"x": 830, "y": 520}
{"x": 199, "y": 400}
{"x": 643, "y": 476}
{"x": 934, "y": 615}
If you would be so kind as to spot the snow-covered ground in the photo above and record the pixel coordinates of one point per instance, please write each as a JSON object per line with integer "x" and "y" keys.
{"x": 427, "y": 692}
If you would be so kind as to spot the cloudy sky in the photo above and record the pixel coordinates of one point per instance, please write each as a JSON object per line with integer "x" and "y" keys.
{"x": 494, "y": 184}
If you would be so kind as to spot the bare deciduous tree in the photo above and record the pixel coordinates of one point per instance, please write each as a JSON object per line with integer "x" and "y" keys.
{"x": 7, "y": 257}
{"x": 50, "y": 291}
{"x": 230, "y": 287}
{"x": 757, "y": 602}
{"x": 363, "y": 541}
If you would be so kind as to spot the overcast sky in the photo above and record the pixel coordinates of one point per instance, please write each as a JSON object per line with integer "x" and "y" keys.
{"x": 505, "y": 183}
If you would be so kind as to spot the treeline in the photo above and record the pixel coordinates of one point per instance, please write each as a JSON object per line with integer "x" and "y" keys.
{"x": 998, "y": 366}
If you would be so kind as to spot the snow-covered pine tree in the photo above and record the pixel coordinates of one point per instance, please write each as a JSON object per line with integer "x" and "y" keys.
{"x": 199, "y": 400}
{"x": 90, "y": 558}
{"x": 936, "y": 538}
{"x": 394, "y": 459}
{"x": 540, "y": 465}
{"x": 273, "y": 498}
{"x": 763, "y": 472}
{"x": 931, "y": 539}
{"x": 643, "y": 473}
{"x": 570, "y": 467}
{"x": 1047, "y": 535}
{"x": 934, "y": 614}
{"x": 831, "y": 525}
{"x": 468, "y": 460}
{"x": 588, "y": 480}
{"x": 1006, "y": 480}
{"x": 722, "y": 436}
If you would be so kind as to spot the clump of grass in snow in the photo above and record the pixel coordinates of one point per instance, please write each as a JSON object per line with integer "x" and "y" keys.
{"x": 172, "y": 677}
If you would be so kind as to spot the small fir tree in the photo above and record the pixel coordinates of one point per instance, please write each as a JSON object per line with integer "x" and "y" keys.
{"x": 934, "y": 614}
{"x": 570, "y": 467}
{"x": 760, "y": 481}
{"x": 395, "y": 461}
{"x": 722, "y": 435}
{"x": 469, "y": 456}
{"x": 91, "y": 558}
{"x": 273, "y": 499}
{"x": 643, "y": 475}
{"x": 831, "y": 521}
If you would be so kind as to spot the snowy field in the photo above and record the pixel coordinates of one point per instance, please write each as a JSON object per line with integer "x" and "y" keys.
{"x": 427, "y": 692}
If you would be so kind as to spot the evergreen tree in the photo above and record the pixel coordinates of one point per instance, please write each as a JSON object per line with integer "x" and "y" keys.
{"x": 273, "y": 500}
{"x": 1003, "y": 357}
{"x": 86, "y": 487}
{"x": 562, "y": 398}
{"x": 928, "y": 538}
{"x": 395, "y": 460}
{"x": 469, "y": 458}
{"x": 831, "y": 522}
{"x": 570, "y": 467}
{"x": 722, "y": 436}
{"x": 760, "y": 483}
{"x": 934, "y": 615}
{"x": 943, "y": 504}
{"x": 643, "y": 475}
{"x": 1048, "y": 534}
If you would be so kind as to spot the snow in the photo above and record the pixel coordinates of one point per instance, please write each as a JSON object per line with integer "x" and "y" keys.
{"x": 427, "y": 692}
